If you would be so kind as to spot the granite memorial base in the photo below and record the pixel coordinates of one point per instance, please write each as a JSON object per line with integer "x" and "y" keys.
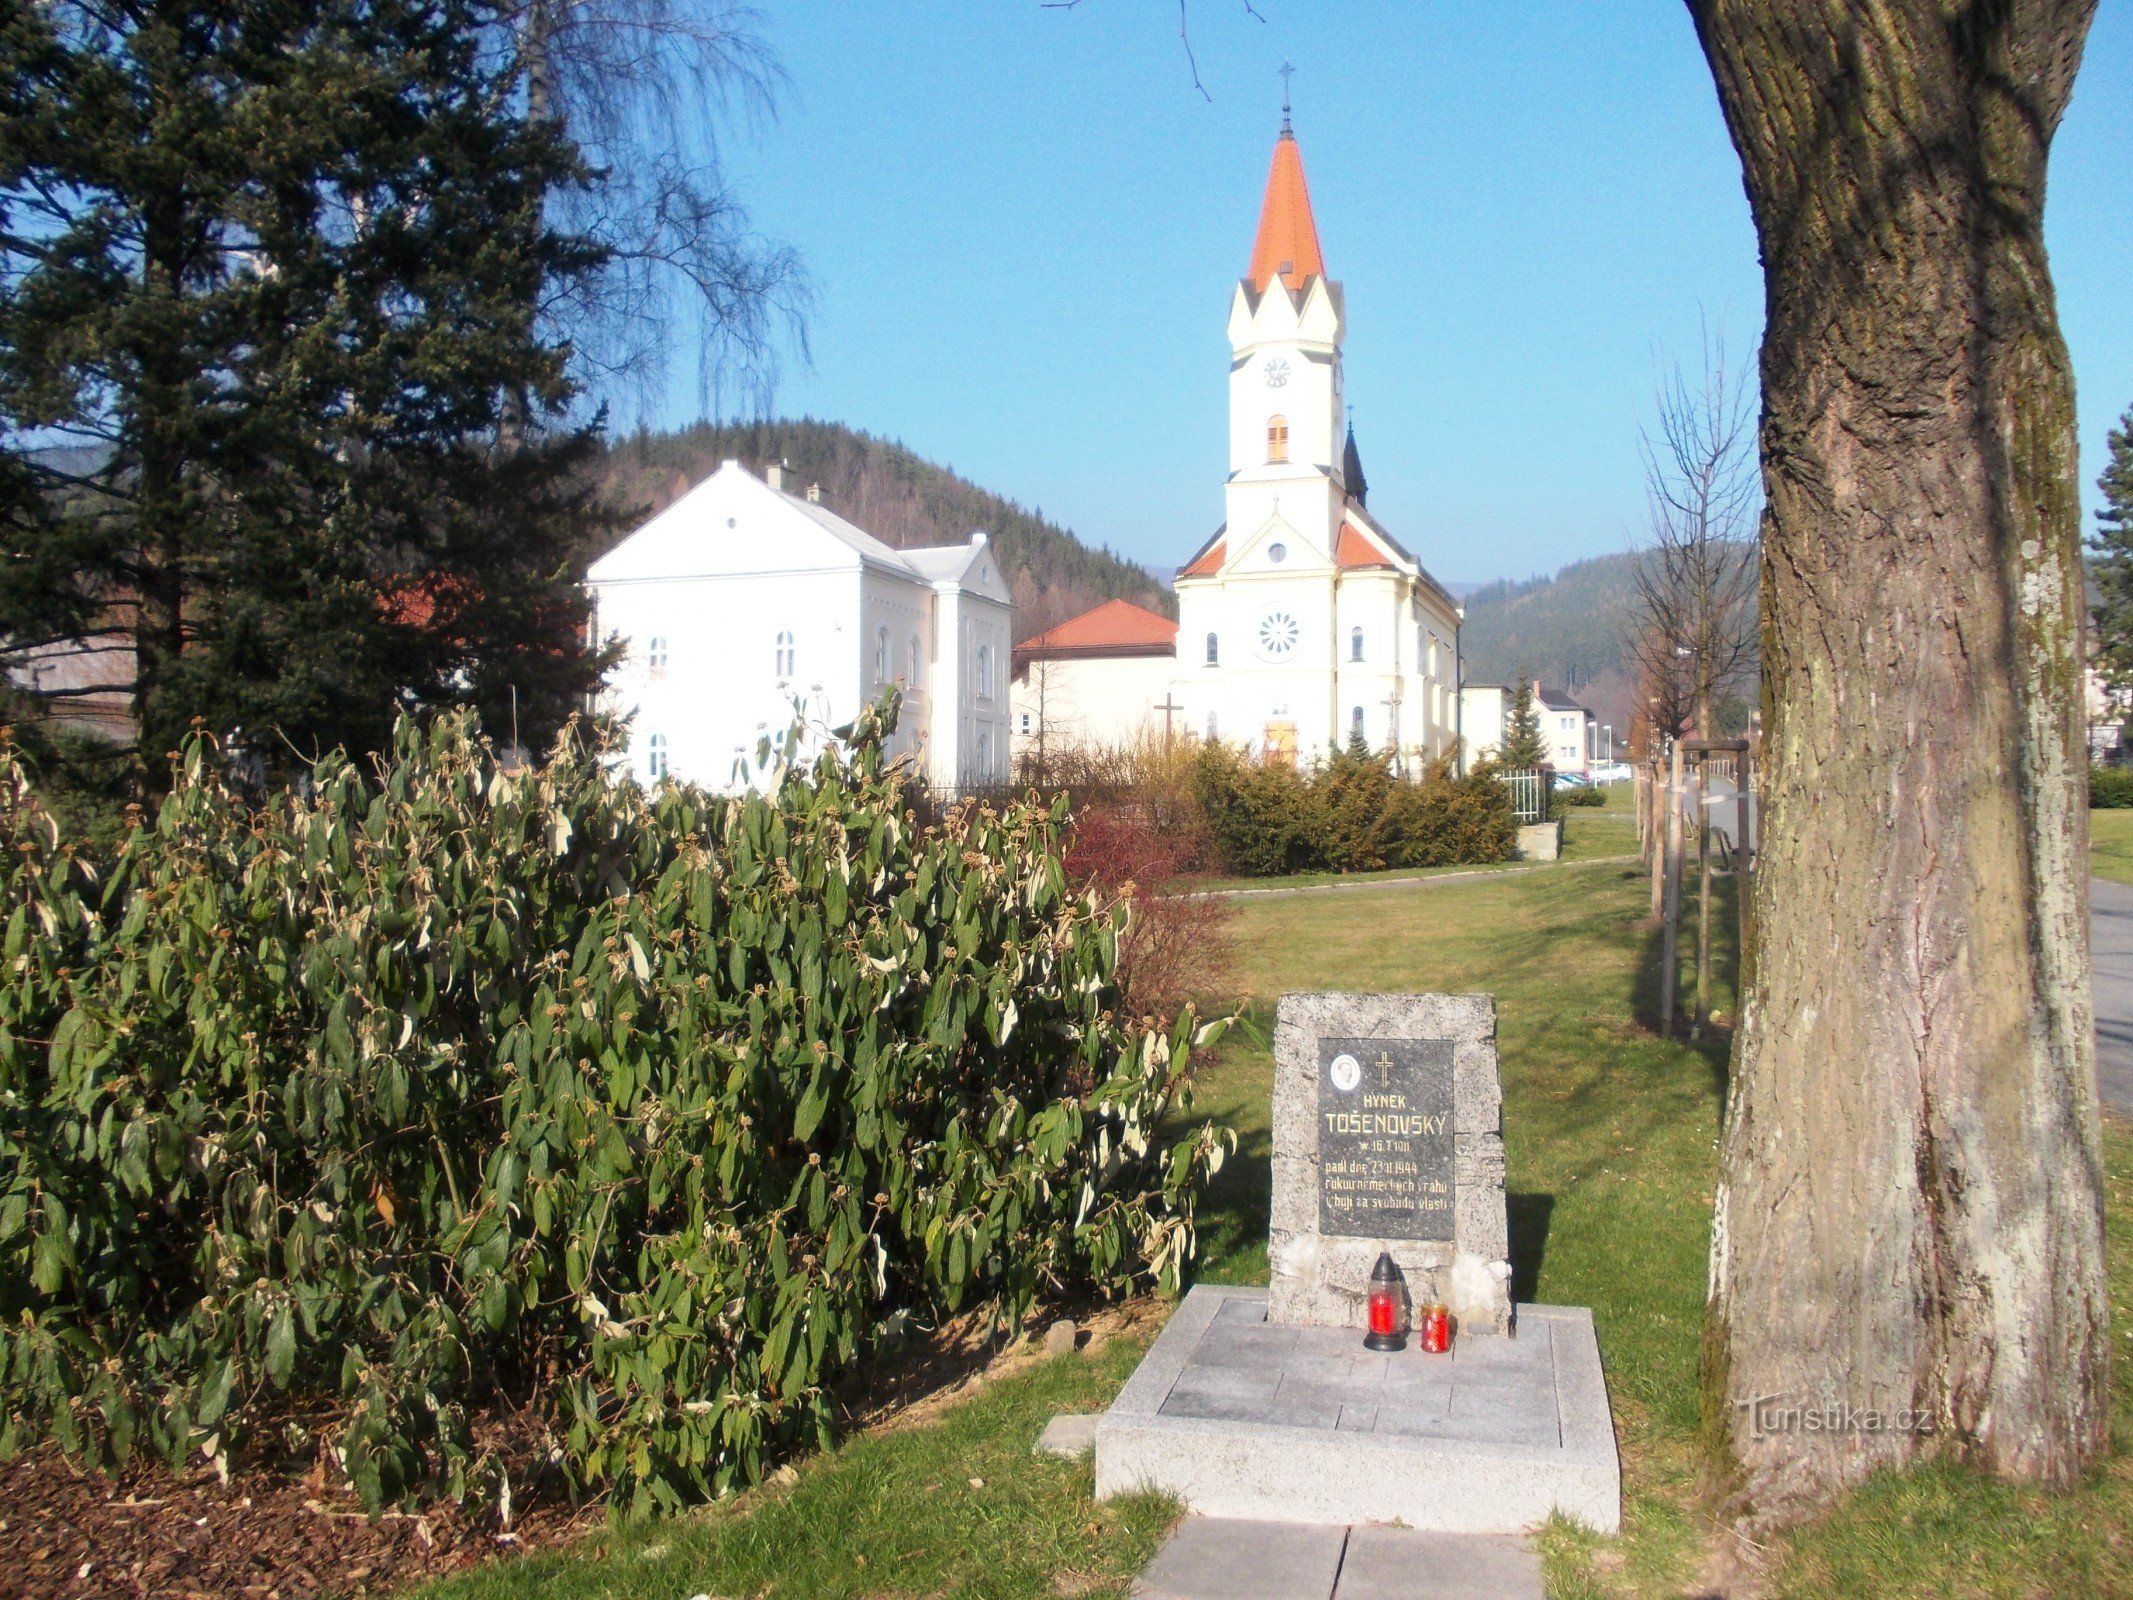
{"x": 1238, "y": 1416}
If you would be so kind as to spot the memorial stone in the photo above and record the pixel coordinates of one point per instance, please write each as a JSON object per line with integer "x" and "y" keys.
{"x": 1388, "y": 1137}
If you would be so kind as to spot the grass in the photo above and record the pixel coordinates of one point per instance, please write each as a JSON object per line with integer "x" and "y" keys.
{"x": 2111, "y": 845}
{"x": 956, "y": 1506}
{"x": 1610, "y": 1135}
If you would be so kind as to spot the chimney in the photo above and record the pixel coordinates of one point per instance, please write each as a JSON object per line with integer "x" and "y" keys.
{"x": 774, "y": 475}
{"x": 814, "y": 494}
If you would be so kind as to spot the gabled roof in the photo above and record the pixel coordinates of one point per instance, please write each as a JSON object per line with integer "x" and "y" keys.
{"x": 1556, "y": 700}
{"x": 1287, "y": 243}
{"x": 1115, "y": 628}
{"x": 1209, "y": 561}
{"x": 731, "y": 523}
{"x": 1355, "y": 549}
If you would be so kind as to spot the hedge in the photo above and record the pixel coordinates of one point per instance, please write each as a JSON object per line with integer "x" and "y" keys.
{"x": 333, "y": 1122}
{"x": 1350, "y": 814}
{"x": 2111, "y": 788}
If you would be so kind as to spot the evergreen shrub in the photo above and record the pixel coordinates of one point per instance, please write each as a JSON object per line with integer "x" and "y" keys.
{"x": 329, "y": 1123}
{"x": 2111, "y": 788}
{"x": 1349, "y": 814}
{"x": 1582, "y": 794}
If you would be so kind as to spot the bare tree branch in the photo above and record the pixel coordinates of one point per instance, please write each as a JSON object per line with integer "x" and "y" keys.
{"x": 1692, "y": 627}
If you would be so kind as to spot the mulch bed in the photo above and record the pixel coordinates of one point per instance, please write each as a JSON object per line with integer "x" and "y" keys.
{"x": 267, "y": 1534}
{"x": 278, "y": 1531}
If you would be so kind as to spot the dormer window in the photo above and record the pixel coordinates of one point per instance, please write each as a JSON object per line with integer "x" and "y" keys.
{"x": 1277, "y": 439}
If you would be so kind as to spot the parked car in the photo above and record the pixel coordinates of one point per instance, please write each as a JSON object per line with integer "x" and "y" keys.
{"x": 1612, "y": 772}
{"x": 1571, "y": 780}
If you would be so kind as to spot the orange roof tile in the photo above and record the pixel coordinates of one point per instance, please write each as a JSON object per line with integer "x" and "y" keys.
{"x": 1117, "y": 627}
{"x": 1356, "y": 550}
{"x": 1287, "y": 244}
{"x": 1210, "y": 561}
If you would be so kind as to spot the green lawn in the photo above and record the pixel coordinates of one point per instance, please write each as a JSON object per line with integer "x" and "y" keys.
{"x": 2111, "y": 845}
{"x": 1610, "y": 1136}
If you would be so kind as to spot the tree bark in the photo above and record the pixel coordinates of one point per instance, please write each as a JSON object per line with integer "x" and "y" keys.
{"x": 1910, "y": 1212}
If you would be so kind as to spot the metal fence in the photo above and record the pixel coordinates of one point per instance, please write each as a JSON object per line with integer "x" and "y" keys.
{"x": 1529, "y": 793}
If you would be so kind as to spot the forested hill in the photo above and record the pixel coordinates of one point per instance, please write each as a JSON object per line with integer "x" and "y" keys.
{"x": 899, "y": 497}
{"x": 1566, "y": 631}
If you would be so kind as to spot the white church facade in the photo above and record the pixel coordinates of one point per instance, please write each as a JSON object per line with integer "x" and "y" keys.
{"x": 741, "y": 603}
{"x": 1303, "y": 622}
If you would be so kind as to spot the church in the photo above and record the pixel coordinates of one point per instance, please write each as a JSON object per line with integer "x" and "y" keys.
{"x": 1303, "y": 622}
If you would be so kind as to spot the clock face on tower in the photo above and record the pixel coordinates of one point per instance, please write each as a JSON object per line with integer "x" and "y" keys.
{"x": 1277, "y": 372}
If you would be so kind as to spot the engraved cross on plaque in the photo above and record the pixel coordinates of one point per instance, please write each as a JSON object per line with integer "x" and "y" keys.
{"x": 1384, "y": 1066}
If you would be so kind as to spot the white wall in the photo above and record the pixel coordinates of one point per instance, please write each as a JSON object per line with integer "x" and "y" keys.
{"x": 719, "y": 692}
{"x": 1093, "y": 701}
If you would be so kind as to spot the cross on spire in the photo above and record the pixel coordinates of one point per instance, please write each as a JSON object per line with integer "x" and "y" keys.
{"x": 1286, "y": 73}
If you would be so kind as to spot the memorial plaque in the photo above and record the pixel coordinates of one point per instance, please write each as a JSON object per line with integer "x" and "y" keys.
{"x": 1385, "y": 1168}
{"x": 1388, "y": 1137}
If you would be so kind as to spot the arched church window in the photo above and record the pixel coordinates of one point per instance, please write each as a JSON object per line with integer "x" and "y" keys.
{"x": 914, "y": 661}
{"x": 785, "y": 653}
{"x": 985, "y": 671}
{"x": 1212, "y": 735}
{"x": 984, "y": 756}
{"x": 1277, "y": 438}
{"x": 1214, "y": 650}
{"x": 1355, "y": 723}
{"x": 655, "y": 756}
{"x": 881, "y": 654}
{"x": 1355, "y": 645}
{"x": 655, "y": 656}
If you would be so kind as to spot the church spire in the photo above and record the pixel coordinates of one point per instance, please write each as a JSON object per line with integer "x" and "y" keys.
{"x": 1287, "y": 243}
{"x": 1352, "y": 478}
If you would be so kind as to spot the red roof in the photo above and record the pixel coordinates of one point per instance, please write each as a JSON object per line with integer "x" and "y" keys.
{"x": 1356, "y": 550}
{"x": 1287, "y": 245}
{"x": 1209, "y": 563}
{"x": 1115, "y": 628}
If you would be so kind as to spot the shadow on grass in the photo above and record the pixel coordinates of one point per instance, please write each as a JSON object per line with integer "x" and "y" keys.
{"x": 1528, "y": 1216}
{"x": 1716, "y": 1042}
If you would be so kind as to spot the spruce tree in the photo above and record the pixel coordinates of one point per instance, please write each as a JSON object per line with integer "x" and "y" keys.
{"x": 2111, "y": 569}
{"x": 1524, "y": 745}
{"x": 276, "y": 268}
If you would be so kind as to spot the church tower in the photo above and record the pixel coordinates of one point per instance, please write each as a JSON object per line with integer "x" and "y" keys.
{"x": 1303, "y": 624}
{"x": 1285, "y": 327}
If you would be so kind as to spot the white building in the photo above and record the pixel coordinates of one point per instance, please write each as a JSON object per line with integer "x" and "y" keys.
{"x": 1102, "y": 679}
{"x": 1302, "y": 621}
{"x": 740, "y": 603}
{"x": 1566, "y": 727}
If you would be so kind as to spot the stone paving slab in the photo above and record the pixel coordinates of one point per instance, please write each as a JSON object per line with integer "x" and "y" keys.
{"x": 1216, "y": 1558}
{"x": 1071, "y": 1433}
{"x": 1302, "y": 1424}
{"x": 1407, "y": 1564}
{"x": 1208, "y": 1558}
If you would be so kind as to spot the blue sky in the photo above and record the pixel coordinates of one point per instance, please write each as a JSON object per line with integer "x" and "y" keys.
{"x": 1024, "y": 226}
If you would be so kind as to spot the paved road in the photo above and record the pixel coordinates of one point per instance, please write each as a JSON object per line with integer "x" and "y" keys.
{"x": 2111, "y": 950}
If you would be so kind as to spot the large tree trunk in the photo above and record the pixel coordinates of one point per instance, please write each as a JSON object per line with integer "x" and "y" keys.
{"x": 1910, "y": 1213}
